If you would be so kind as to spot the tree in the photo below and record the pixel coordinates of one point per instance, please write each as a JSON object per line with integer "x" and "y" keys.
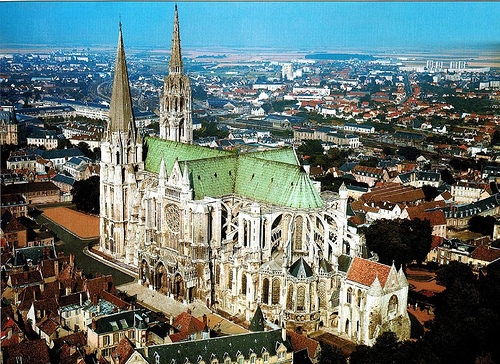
{"x": 64, "y": 143}
{"x": 388, "y": 151}
{"x": 410, "y": 153}
{"x": 482, "y": 224}
{"x": 311, "y": 148}
{"x": 85, "y": 149}
{"x": 430, "y": 192}
{"x": 369, "y": 162}
{"x": 86, "y": 194}
{"x": 447, "y": 177}
{"x": 400, "y": 241}
{"x": 331, "y": 355}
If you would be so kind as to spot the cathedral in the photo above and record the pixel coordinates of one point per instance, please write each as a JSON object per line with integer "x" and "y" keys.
{"x": 236, "y": 230}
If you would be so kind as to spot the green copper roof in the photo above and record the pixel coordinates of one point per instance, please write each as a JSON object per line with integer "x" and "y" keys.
{"x": 170, "y": 150}
{"x": 285, "y": 155}
{"x": 272, "y": 176}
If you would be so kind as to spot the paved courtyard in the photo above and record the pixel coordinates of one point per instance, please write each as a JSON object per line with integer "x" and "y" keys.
{"x": 159, "y": 302}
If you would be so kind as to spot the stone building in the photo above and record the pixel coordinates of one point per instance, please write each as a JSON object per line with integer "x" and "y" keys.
{"x": 233, "y": 230}
{"x": 9, "y": 133}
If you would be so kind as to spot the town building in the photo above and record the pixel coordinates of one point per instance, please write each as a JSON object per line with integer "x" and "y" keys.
{"x": 9, "y": 133}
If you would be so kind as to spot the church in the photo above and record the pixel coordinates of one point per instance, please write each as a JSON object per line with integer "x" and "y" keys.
{"x": 236, "y": 230}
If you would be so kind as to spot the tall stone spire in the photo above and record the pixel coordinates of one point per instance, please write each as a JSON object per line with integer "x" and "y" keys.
{"x": 175, "y": 65}
{"x": 121, "y": 115}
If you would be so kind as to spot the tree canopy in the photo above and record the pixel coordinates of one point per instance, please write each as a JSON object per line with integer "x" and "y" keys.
{"x": 400, "y": 241}
{"x": 86, "y": 194}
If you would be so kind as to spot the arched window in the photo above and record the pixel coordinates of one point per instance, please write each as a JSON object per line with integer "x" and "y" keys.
{"x": 297, "y": 234}
{"x": 359, "y": 297}
{"x": 244, "y": 284}
{"x": 289, "y": 298}
{"x": 347, "y": 326}
{"x": 245, "y": 233}
{"x": 322, "y": 294}
{"x": 217, "y": 274}
{"x": 265, "y": 291}
{"x": 230, "y": 281}
{"x": 393, "y": 306}
{"x": 301, "y": 298}
{"x": 349, "y": 295}
{"x": 276, "y": 291}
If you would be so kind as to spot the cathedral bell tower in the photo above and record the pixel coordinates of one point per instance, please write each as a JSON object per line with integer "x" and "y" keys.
{"x": 175, "y": 105}
{"x": 121, "y": 158}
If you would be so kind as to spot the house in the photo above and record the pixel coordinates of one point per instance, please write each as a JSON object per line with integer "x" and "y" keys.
{"x": 45, "y": 138}
{"x": 418, "y": 179}
{"x": 64, "y": 182}
{"x": 468, "y": 192}
{"x": 370, "y": 175}
{"x": 359, "y": 128}
{"x": 15, "y": 203}
{"x": 59, "y": 157}
{"x": 28, "y": 351}
{"x": 254, "y": 347}
{"x": 34, "y": 192}
{"x": 104, "y": 334}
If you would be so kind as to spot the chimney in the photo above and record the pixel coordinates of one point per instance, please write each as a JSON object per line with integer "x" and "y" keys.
{"x": 93, "y": 324}
{"x": 189, "y": 311}
{"x": 283, "y": 334}
{"x": 94, "y": 299}
{"x": 205, "y": 320}
{"x": 171, "y": 320}
{"x": 81, "y": 298}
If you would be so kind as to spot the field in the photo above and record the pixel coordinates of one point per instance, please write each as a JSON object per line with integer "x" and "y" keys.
{"x": 82, "y": 225}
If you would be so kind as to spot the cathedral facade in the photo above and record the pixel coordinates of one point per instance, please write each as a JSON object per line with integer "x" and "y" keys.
{"x": 233, "y": 230}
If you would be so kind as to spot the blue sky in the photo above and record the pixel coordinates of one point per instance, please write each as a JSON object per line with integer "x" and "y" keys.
{"x": 317, "y": 25}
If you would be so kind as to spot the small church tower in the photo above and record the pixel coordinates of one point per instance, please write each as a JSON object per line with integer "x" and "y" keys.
{"x": 176, "y": 122}
{"x": 121, "y": 158}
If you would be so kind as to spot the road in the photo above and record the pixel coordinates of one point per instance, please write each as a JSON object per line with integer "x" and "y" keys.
{"x": 70, "y": 244}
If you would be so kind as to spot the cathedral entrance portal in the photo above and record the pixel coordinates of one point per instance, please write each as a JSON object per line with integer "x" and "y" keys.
{"x": 144, "y": 273}
{"x": 161, "y": 278}
{"x": 178, "y": 287}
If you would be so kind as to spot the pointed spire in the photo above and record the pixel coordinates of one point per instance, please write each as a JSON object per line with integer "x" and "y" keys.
{"x": 163, "y": 170}
{"x": 175, "y": 65}
{"x": 121, "y": 116}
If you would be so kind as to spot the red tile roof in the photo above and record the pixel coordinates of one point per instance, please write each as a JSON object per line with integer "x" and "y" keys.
{"x": 300, "y": 342}
{"x": 486, "y": 253}
{"x": 123, "y": 351}
{"x": 33, "y": 352}
{"x": 435, "y": 218}
{"x": 187, "y": 323}
{"x": 364, "y": 271}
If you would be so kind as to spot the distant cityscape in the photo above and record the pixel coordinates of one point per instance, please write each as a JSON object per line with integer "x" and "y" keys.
{"x": 202, "y": 207}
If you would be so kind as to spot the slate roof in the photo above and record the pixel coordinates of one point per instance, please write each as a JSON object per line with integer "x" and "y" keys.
{"x": 300, "y": 269}
{"x": 120, "y": 321}
{"x": 364, "y": 271}
{"x": 60, "y": 153}
{"x": 216, "y": 348}
{"x": 61, "y": 178}
{"x": 35, "y": 253}
{"x": 272, "y": 176}
{"x": 471, "y": 209}
{"x": 257, "y": 323}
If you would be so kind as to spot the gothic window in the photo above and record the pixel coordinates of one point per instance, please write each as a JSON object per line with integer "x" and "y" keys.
{"x": 349, "y": 295}
{"x": 301, "y": 298}
{"x": 359, "y": 297}
{"x": 322, "y": 295}
{"x": 217, "y": 274}
{"x": 347, "y": 326}
{"x": 173, "y": 223}
{"x": 230, "y": 281}
{"x": 393, "y": 306}
{"x": 289, "y": 298}
{"x": 297, "y": 234}
{"x": 276, "y": 291}
{"x": 244, "y": 284}
{"x": 265, "y": 291}
{"x": 245, "y": 233}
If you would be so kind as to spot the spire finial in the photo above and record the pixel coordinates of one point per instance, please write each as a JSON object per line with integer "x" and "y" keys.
{"x": 121, "y": 116}
{"x": 175, "y": 65}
